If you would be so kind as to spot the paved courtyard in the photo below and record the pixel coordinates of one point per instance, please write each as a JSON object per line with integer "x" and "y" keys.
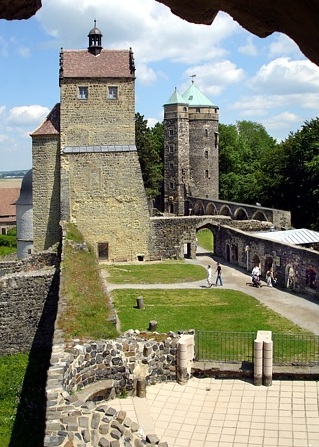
{"x": 228, "y": 413}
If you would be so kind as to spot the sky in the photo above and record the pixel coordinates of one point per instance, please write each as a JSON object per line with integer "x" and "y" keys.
{"x": 267, "y": 81}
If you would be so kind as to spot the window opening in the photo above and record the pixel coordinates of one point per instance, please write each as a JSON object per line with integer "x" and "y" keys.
{"x": 112, "y": 92}
{"x": 83, "y": 93}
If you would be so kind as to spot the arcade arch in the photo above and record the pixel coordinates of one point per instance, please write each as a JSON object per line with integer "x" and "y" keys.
{"x": 211, "y": 209}
{"x": 259, "y": 215}
{"x": 199, "y": 209}
{"x": 240, "y": 214}
{"x": 225, "y": 211}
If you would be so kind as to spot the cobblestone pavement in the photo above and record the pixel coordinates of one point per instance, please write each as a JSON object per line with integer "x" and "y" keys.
{"x": 234, "y": 413}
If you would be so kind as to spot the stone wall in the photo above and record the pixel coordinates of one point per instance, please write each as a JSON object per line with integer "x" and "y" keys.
{"x": 108, "y": 202}
{"x": 28, "y": 302}
{"x": 203, "y": 152}
{"x": 46, "y": 192}
{"x": 246, "y": 250}
{"x": 36, "y": 262}
{"x": 97, "y": 120}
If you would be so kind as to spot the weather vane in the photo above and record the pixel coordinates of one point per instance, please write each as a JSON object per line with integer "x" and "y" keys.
{"x": 192, "y": 76}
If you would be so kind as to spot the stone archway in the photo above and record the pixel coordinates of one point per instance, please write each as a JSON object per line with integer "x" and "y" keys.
{"x": 240, "y": 214}
{"x": 211, "y": 209}
{"x": 259, "y": 215}
{"x": 225, "y": 211}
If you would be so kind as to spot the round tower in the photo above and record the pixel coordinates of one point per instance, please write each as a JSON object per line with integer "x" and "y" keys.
{"x": 24, "y": 208}
{"x": 176, "y": 154}
{"x": 191, "y": 167}
{"x": 203, "y": 144}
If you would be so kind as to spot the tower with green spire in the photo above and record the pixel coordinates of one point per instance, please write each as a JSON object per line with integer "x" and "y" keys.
{"x": 190, "y": 149}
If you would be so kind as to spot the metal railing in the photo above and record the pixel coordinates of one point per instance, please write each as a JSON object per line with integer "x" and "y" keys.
{"x": 296, "y": 349}
{"x": 224, "y": 346}
{"x": 235, "y": 347}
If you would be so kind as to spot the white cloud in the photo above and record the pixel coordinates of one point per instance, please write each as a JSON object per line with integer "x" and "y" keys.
{"x": 24, "y": 51}
{"x": 153, "y": 32}
{"x": 249, "y": 49}
{"x": 282, "y": 45}
{"x": 214, "y": 78}
{"x": 146, "y": 75}
{"x": 26, "y": 115}
{"x": 284, "y": 75}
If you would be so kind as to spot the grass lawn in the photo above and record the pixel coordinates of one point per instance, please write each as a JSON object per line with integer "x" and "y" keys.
{"x": 210, "y": 310}
{"x": 154, "y": 273}
{"x": 205, "y": 239}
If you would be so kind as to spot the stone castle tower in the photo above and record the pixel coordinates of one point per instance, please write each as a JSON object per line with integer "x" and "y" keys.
{"x": 85, "y": 163}
{"x": 190, "y": 149}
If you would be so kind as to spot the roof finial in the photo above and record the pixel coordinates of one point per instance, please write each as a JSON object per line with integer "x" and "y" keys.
{"x": 94, "y": 23}
{"x": 192, "y": 76}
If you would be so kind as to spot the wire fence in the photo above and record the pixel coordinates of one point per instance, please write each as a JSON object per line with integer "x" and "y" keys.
{"x": 295, "y": 349}
{"x": 224, "y": 346}
{"x": 236, "y": 347}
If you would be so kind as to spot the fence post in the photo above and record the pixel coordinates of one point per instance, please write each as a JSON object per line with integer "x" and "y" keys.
{"x": 258, "y": 362}
{"x": 268, "y": 362}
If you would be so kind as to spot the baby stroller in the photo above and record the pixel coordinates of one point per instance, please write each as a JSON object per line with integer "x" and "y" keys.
{"x": 256, "y": 280}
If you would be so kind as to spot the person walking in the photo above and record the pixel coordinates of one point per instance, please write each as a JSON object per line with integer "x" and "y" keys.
{"x": 219, "y": 275}
{"x": 209, "y": 276}
{"x": 269, "y": 277}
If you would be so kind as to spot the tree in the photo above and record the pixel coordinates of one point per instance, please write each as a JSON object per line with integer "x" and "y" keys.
{"x": 243, "y": 150}
{"x": 296, "y": 175}
{"x": 150, "y": 148}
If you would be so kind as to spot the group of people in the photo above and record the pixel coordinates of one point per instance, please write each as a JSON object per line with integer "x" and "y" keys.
{"x": 218, "y": 272}
{"x": 255, "y": 276}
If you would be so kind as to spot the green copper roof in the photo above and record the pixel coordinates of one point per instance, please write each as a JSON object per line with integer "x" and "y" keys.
{"x": 195, "y": 98}
{"x": 176, "y": 98}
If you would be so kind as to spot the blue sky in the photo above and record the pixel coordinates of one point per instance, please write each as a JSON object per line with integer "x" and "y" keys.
{"x": 268, "y": 81}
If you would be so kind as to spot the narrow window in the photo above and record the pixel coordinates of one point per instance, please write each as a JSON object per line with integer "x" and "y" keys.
{"x": 171, "y": 165}
{"x": 206, "y": 154}
{"x": 206, "y": 132}
{"x": 206, "y": 173}
{"x": 83, "y": 93}
{"x": 216, "y": 139}
{"x": 171, "y": 149}
{"x": 171, "y": 185}
{"x": 3, "y": 230}
{"x": 171, "y": 132}
{"x": 197, "y": 110}
{"x": 112, "y": 92}
{"x": 185, "y": 109}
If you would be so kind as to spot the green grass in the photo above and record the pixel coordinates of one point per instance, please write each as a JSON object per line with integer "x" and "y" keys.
{"x": 87, "y": 306}
{"x": 210, "y": 310}
{"x": 22, "y": 398}
{"x": 7, "y": 250}
{"x": 12, "y": 371}
{"x": 205, "y": 239}
{"x": 158, "y": 273}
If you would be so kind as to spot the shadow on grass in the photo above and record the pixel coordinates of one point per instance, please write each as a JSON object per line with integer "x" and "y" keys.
{"x": 29, "y": 425}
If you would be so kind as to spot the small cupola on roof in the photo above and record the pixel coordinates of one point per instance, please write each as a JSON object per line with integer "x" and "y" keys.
{"x": 95, "y": 40}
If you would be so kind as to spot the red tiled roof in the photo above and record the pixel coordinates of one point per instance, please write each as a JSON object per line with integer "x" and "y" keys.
{"x": 51, "y": 125}
{"x": 108, "y": 64}
{"x": 8, "y": 197}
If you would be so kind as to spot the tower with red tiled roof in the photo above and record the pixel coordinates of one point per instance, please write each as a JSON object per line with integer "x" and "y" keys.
{"x": 88, "y": 158}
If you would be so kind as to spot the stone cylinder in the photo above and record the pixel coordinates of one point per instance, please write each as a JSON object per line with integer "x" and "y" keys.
{"x": 140, "y": 302}
{"x": 152, "y": 325}
{"x": 141, "y": 388}
{"x": 267, "y": 362}
{"x": 258, "y": 362}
